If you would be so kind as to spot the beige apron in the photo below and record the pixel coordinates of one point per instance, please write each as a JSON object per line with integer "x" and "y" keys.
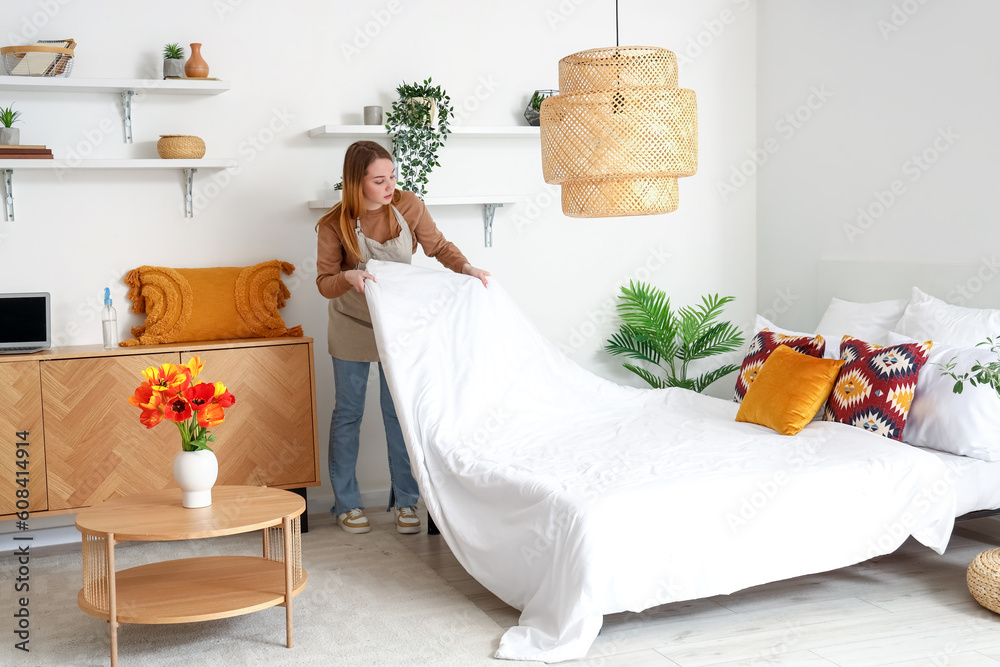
{"x": 350, "y": 335}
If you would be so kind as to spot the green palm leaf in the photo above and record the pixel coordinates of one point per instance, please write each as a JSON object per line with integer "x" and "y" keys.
{"x": 654, "y": 381}
{"x": 651, "y": 332}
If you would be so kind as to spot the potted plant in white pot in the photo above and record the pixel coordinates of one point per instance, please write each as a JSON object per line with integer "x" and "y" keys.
{"x": 9, "y": 135}
{"x": 173, "y": 61}
{"x": 418, "y": 123}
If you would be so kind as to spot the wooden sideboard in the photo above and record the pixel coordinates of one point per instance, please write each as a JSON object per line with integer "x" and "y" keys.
{"x": 86, "y": 442}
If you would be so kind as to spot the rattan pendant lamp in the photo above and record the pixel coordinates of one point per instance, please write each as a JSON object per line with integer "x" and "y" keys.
{"x": 620, "y": 132}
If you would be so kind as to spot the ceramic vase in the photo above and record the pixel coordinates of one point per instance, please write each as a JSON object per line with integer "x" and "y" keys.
{"x": 196, "y": 67}
{"x": 173, "y": 67}
{"x": 10, "y": 136}
{"x": 195, "y": 474}
{"x": 432, "y": 107}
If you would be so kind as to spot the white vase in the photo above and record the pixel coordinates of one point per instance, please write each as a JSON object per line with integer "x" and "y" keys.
{"x": 195, "y": 474}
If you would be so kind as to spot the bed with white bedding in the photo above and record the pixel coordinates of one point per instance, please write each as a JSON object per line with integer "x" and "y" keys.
{"x": 571, "y": 497}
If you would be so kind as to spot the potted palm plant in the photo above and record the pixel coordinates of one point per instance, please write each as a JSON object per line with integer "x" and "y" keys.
{"x": 418, "y": 124}
{"x": 669, "y": 340}
{"x": 9, "y": 135}
{"x": 173, "y": 61}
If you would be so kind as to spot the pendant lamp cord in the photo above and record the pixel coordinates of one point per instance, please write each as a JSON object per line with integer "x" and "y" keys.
{"x": 616, "y": 24}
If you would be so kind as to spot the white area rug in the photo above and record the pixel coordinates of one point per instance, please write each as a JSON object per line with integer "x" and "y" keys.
{"x": 368, "y": 601}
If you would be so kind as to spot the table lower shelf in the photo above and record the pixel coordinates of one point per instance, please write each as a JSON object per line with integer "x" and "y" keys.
{"x": 196, "y": 589}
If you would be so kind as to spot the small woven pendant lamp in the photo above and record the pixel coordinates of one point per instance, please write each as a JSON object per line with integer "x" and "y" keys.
{"x": 620, "y": 133}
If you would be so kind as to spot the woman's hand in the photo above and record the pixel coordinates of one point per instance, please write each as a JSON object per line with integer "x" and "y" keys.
{"x": 470, "y": 270}
{"x": 356, "y": 278}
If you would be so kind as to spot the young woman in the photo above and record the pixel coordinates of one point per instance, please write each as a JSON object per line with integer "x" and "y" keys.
{"x": 374, "y": 220}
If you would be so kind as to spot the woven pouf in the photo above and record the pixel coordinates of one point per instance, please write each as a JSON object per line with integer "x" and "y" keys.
{"x": 983, "y": 578}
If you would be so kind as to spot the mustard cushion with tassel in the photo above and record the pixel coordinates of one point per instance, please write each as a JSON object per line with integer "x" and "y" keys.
{"x": 209, "y": 304}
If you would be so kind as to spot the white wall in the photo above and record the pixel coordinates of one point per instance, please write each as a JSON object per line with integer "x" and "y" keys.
{"x": 907, "y": 133}
{"x": 292, "y": 68}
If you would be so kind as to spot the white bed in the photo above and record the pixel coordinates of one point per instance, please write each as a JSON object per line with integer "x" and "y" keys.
{"x": 571, "y": 497}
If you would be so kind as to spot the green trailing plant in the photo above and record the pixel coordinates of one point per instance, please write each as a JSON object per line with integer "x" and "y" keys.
{"x": 652, "y": 332}
{"x": 173, "y": 51}
{"x": 987, "y": 374}
{"x": 8, "y": 116}
{"x": 415, "y": 140}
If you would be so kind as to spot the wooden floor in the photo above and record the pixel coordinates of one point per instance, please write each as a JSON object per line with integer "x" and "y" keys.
{"x": 906, "y": 609}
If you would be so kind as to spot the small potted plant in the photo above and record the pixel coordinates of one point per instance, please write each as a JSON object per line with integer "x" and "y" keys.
{"x": 535, "y": 105}
{"x": 9, "y": 135}
{"x": 418, "y": 123}
{"x": 173, "y": 65}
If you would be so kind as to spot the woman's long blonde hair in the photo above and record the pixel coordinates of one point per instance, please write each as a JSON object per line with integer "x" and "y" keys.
{"x": 359, "y": 156}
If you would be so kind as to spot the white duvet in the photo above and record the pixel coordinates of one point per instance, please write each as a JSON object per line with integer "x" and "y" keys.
{"x": 570, "y": 497}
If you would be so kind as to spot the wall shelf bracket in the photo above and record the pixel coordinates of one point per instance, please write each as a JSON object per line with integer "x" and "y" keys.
{"x": 488, "y": 211}
{"x": 127, "y": 108}
{"x": 8, "y": 188}
{"x": 189, "y": 192}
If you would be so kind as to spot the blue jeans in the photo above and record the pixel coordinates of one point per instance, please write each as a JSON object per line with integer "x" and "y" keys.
{"x": 350, "y": 379}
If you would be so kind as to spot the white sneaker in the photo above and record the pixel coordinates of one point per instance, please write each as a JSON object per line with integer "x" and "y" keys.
{"x": 354, "y": 521}
{"x": 407, "y": 520}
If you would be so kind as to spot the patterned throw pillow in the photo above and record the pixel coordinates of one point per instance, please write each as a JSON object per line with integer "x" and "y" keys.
{"x": 761, "y": 347}
{"x": 876, "y": 385}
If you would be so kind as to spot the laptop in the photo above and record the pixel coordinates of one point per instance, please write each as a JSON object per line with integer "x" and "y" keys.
{"x": 24, "y": 322}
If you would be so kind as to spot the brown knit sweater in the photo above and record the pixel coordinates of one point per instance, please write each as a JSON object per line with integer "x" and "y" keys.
{"x": 333, "y": 259}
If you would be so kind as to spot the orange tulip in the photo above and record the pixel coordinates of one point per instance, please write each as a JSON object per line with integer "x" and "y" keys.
{"x": 177, "y": 409}
{"x": 211, "y": 414}
{"x": 145, "y": 397}
{"x": 194, "y": 367}
{"x": 168, "y": 379}
{"x": 150, "y": 418}
{"x": 223, "y": 397}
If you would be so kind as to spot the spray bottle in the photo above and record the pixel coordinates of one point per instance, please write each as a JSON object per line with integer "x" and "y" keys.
{"x": 110, "y": 321}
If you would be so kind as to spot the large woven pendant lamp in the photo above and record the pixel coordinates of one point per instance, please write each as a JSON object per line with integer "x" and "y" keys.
{"x": 620, "y": 133}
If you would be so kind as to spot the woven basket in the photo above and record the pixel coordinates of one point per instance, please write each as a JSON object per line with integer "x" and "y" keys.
{"x": 37, "y": 60}
{"x": 983, "y": 578}
{"x": 180, "y": 146}
{"x": 620, "y": 133}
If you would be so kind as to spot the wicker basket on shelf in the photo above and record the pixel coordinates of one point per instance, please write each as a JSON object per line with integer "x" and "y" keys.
{"x": 180, "y": 147}
{"x": 37, "y": 60}
{"x": 983, "y": 578}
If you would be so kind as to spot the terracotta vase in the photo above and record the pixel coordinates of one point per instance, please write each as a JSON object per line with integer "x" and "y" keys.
{"x": 196, "y": 67}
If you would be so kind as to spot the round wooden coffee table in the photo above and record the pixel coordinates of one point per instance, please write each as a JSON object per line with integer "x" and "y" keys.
{"x": 192, "y": 589}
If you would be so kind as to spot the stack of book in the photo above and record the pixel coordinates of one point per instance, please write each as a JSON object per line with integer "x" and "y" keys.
{"x": 25, "y": 153}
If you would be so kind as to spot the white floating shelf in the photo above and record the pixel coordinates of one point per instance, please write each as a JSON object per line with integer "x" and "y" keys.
{"x": 326, "y": 131}
{"x": 444, "y": 201}
{"x": 145, "y": 163}
{"x": 52, "y": 84}
{"x": 489, "y": 204}
{"x": 189, "y": 167}
{"x": 125, "y": 88}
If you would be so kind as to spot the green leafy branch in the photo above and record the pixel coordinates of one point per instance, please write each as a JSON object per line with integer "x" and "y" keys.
{"x": 987, "y": 374}
{"x": 653, "y": 333}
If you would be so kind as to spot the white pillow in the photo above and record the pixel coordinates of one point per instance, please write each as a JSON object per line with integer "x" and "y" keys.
{"x": 870, "y": 322}
{"x": 930, "y": 318}
{"x": 762, "y": 322}
{"x": 967, "y": 424}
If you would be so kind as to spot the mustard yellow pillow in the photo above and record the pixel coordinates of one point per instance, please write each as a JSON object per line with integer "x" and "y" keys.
{"x": 789, "y": 390}
{"x": 209, "y": 304}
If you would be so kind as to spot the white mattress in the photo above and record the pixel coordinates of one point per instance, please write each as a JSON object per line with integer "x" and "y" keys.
{"x": 571, "y": 497}
{"x": 977, "y": 482}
